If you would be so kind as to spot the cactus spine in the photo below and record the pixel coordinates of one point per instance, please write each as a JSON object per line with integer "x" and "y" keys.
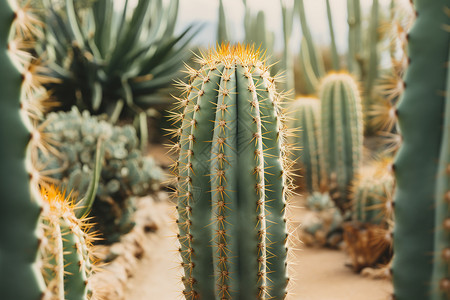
{"x": 232, "y": 180}
{"x": 309, "y": 152}
{"x": 420, "y": 118}
{"x": 20, "y": 204}
{"x": 342, "y": 133}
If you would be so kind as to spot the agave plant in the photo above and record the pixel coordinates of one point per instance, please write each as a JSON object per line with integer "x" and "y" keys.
{"x": 112, "y": 58}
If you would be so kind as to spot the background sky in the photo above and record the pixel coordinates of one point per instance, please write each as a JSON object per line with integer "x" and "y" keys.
{"x": 206, "y": 11}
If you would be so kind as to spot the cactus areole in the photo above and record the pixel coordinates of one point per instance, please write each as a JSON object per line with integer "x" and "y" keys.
{"x": 230, "y": 180}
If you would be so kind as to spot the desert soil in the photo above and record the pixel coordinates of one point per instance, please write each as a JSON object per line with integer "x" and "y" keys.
{"x": 320, "y": 274}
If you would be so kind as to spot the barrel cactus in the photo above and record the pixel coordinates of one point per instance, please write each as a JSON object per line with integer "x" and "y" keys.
{"x": 342, "y": 134}
{"x": 232, "y": 179}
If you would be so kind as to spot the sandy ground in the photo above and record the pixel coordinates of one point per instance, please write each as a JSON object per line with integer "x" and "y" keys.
{"x": 320, "y": 274}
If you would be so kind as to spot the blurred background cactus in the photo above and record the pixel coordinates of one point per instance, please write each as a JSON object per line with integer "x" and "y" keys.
{"x": 368, "y": 233}
{"x": 341, "y": 134}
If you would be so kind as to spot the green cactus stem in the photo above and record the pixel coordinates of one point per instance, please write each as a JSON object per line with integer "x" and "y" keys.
{"x": 372, "y": 195}
{"x": 310, "y": 58}
{"x": 66, "y": 247}
{"x": 420, "y": 118}
{"x": 309, "y": 151}
{"x": 441, "y": 274}
{"x": 354, "y": 36}
{"x": 232, "y": 180}
{"x": 342, "y": 134}
{"x": 334, "y": 53}
{"x": 20, "y": 204}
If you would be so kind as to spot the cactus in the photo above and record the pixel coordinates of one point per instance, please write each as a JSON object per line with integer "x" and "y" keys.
{"x": 372, "y": 195}
{"x": 222, "y": 28}
{"x": 255, "y": 30}
{"x": 126, "y": 173}
{"x": 21, "y": 203}
{"x": 336, "y": 65}
{"x": 310, "y": 58}
{"x": 342, "y": 134}
{"x": 232, "y": 180}
{"x": 421, "y": 161}
{"x": 354, "y": 36}
{"x": 66, "y": 248}
{"x": 288, "y": 14}
{"x": 368, "y": 235}
{"x": 309, "y": 152}
{"x": 441, "y": 276}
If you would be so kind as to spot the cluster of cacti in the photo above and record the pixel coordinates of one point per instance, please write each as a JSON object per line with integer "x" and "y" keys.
{"x": 363, "y": 56}
{"x": 368, "y": 235}
{"x": 232, "y": 179}
{"x": 420, "y": 266}
{"x": 125, "y": 173}
{"x": 341, "y": 134}
{"x": 21, "y": 203}
{"x": 65, "y": 251}
{"x": 113, "y": 58}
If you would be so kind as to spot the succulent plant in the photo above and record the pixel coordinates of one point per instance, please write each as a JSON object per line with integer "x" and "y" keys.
{"x": 421, "y": 165}
{"x": 66, "y": 248}
{"x": 342, "y": 134}
{"x": 21, "y": 203}
{"x": 308, "y": 145}
{"x": 113, "y": 58}
{"x": 232, "y": 179}
{"x": 125, "y": 173}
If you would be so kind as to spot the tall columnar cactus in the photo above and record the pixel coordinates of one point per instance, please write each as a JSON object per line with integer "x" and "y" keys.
{"x": 354, "y": 36}
{"x": 342, "y": 133}
{"x": 232, "y": 180}
{"x": 66, "y": 248}
{"x": 308, "y": 152}
{"x": 20, "y": 200}
{"x": 311, "y": 61}
{"x": 418, "y": 163}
